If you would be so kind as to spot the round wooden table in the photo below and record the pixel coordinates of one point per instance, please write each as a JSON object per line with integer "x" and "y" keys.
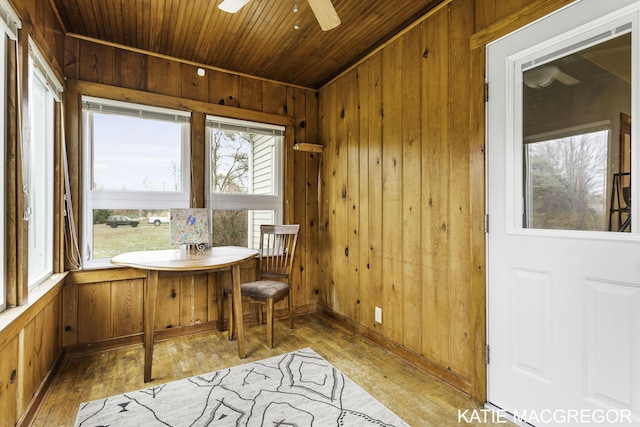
{"x": 181, "y": 260}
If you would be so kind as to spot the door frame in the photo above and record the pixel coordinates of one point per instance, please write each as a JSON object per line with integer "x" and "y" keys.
{"x": 477, "y": 114}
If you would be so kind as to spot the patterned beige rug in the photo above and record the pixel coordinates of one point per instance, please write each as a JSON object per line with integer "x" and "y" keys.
{"x": 294, "y": 389}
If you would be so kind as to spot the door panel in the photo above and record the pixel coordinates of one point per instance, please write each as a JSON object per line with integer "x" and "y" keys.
{"x": 531, "y": 333}
{"x": 563, "y": 284}
{"x": 610, "y": 307}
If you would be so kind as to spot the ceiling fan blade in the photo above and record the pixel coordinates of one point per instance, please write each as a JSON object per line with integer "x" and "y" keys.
{"x": 566, "y": 79}
{"x": 232, "y": 6}
{"x": 325, "y": 14}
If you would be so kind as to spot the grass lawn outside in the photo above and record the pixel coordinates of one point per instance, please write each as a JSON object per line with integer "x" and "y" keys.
{"x": 109, "y": 242}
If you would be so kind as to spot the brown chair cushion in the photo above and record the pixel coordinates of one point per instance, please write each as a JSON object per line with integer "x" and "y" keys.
{"x": 263, "y": 289}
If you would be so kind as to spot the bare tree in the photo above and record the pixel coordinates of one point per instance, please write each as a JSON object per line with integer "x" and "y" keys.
{"x": 229, "y": 162}
{"x": 175, "y": 173}
{"x": 567, "y": 182}
{"x": 230, "y": 174}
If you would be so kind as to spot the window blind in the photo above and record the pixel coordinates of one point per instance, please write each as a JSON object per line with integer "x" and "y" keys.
{"x": 569, "y": 132}
{"x": 134, "y": 110}
{"x": 235, "y": 125}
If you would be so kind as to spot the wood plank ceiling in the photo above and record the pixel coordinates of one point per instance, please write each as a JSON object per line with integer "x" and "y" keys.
{"x": 259, "y": 40}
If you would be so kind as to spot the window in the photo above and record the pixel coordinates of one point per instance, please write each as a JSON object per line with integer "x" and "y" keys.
{"x": 9, "y": 24}
{"x": 136, "y": 168}
{"x": 44, "y": 92}
{"x": 245, "y": 179}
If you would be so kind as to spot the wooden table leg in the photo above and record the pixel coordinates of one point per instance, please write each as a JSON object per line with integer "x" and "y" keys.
{"x": 150, "y": 305}
{"x": 237, "y": 308}
{"x": 214, "y": 280}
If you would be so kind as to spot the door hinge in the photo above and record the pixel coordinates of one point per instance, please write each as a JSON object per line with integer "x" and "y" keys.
{"x": 486, "y": 223}
{"x": 486, "y": 354}
{"x": 486, "y": 91}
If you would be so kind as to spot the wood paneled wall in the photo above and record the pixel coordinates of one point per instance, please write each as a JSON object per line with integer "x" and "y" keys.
{"x": 403, "y": 188}
{"x": 397, "y": 194}
{"x": 105, "y": 70}
{"x": 41, "y": 22}
{"x": 29, "y": 334}
{"x": 29, "y": 349}
{"x": 104, "y": 308}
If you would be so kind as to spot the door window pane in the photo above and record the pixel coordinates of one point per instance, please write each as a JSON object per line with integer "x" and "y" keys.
{"x": 566, "y": 182}
{"x": 577, "y": 168}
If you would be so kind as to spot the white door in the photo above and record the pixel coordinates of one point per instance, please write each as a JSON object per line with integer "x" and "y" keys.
{"x": 563, "y": 291}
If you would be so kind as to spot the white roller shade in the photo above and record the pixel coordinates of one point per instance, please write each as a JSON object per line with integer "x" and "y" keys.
{"x": 236, "y": 125}
{"x": 104, "y": 106}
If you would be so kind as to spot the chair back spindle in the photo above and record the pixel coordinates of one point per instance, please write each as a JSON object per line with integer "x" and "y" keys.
{"x": 277, "y": 246}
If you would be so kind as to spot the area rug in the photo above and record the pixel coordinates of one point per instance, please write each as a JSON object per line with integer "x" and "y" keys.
{"x": 295, "y": 389}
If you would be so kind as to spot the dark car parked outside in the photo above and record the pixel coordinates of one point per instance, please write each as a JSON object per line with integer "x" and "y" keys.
{"x": 116, "y": 220}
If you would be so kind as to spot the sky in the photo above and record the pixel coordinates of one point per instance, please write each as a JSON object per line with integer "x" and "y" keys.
{"x": 122, "y": 147}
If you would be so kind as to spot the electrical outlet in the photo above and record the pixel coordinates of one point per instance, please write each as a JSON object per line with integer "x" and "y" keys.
{"x": 378, "y": 315}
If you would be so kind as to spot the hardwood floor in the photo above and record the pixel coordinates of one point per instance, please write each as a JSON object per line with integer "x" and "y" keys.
{"x": 417, "y": 397}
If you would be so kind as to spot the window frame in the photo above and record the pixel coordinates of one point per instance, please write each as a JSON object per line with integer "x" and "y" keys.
{"x": 250, "y": 202}
{"x": 9, "y": 26}
{"x": 3, "y": 112}
{"x": 40, "y": 71}
{"x": 114, "y": 199}
{"x": 621, "y": 22}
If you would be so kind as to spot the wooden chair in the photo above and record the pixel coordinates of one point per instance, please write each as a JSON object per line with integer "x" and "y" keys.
{"x": 277, "y": 247}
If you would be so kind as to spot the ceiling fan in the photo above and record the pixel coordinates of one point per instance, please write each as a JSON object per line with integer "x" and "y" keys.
{"x": 323, "y": 10}
{"x": 542, "y": 77}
